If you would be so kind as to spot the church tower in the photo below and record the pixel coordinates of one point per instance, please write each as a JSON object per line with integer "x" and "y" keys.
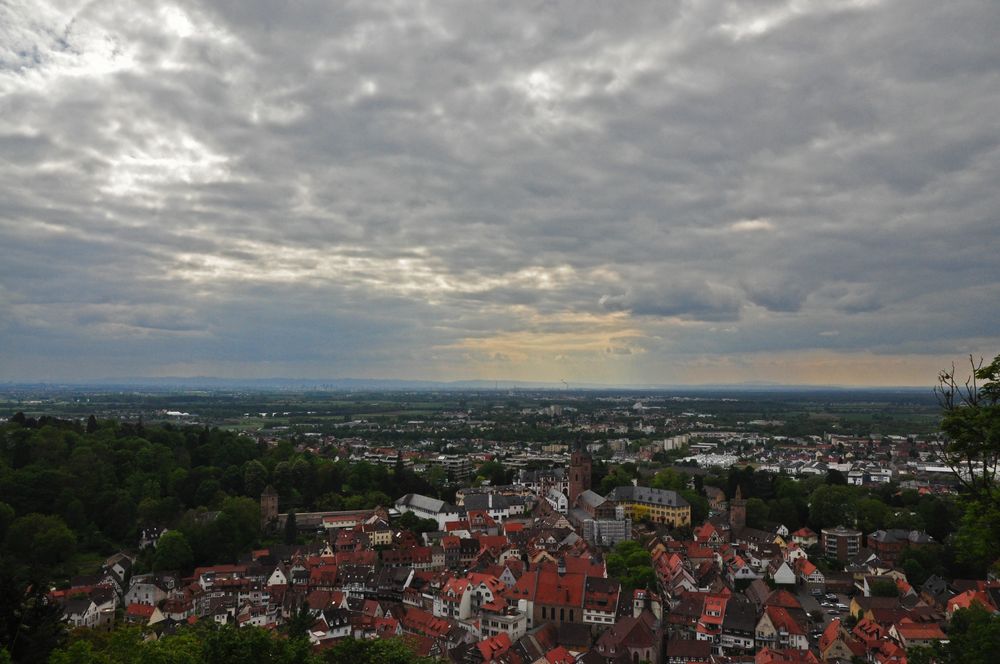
{"x": 268, "y": 507}
{"x": 737, "y": 511}
{"x": 579, "y": 474}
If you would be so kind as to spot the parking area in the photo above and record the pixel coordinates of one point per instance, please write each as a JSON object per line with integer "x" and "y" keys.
{"x": 829, "y": 605}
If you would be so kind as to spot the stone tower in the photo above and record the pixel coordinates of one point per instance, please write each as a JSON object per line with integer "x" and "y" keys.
{"x": 737, "y": 511}
{"x": 268, "y": 507}
{"x": 579, "y": 474}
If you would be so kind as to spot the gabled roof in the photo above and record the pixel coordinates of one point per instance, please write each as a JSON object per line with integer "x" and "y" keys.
{"x": 563, "y": 590}
{"x": 140, "y": 610}
{"x": 804, "y": 567}
{"x": 970, "y": 597}
{"x": 909, "y": 630}
{"x": 784, "y": 599}
{"x": 559, "y": 655}
{"x": 690, "y": 649}
{"x": 490, "y": 649}
{"x": 830, "y": 634}
{"x": 783, "y": 620}
{"x": 785, "y": 656}
{"x": 631, "y": 632}
{"x": 591, "y": 499}
{"x": 425, "y": 503}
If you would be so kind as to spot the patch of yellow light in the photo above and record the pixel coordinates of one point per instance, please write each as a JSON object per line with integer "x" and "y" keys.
{"x": 751, "y": 225}
{"x": 588, "y": 334}
{"x": 815, "y": 368}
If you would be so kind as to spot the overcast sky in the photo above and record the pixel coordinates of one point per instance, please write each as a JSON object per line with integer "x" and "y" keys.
{"x": 662, "y": 192}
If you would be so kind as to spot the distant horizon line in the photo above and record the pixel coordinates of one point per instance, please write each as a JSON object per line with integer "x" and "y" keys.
{"x": 401, "y": 383}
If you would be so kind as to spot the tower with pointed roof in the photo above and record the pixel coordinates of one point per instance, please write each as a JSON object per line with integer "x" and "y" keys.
{"x": 737, "y": 511}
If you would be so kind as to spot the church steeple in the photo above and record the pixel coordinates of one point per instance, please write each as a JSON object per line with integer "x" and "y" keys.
{"x": 737, "y": 511}
{"x": 579, "y": 473}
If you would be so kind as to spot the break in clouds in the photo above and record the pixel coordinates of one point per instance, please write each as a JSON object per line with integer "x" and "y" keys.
{"x": 666, "y": 192}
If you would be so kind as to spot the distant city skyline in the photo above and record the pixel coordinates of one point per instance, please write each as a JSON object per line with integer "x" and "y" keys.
{"x": 676, "y": 193}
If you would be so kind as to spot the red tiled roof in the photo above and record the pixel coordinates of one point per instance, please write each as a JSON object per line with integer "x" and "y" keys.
{"x": 783, "y": 620}
{"x": 805, "y": 567}
{"x": 785, "y": 656}
{"x": 424, "y": 622}
{"x": 784, "y": 599}
{"x": 559, "y": 655}
{"x": 920, "y": 631}
{"x": 564, "y": 590}
{"x": 140, "y": 610}
{"x": 968, "y": 598}
{"x": 493, "y": 647}
{"x": 830, "y": 634}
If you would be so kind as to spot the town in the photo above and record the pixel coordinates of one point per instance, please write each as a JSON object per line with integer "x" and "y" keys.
{"x": 638, "y": 529}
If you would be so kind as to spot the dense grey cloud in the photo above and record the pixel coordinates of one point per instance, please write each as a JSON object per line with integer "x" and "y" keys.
{"x": 669, "y": 192}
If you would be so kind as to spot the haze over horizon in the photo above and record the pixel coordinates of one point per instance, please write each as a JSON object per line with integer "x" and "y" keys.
{"x": 680, "y": 193}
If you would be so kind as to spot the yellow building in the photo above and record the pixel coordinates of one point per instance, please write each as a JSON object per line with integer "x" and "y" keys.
{"x": 658, "y": 505}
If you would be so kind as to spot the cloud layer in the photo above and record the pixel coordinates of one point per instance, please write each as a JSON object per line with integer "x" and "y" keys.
{"x": 679, "y": 192}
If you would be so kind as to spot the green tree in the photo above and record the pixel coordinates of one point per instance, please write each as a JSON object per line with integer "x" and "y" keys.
{"x": 495, "y": 472}
{"x": 6, "y": 518}
{"x": 668, "y": 478}
{"x": 630, "y": 564}
{"x": 298, "y": 625}
{"x": 872, "y": 514}
{"x": 973, "y": 638}
{"x": 254, "y": 477}
{"x": 172, "y": 552}
{"x": 699, "y": 505}
{"x": 757, "y": 513}
{"x": 30, "y": 625}
{"x": 834, "y": 476}
{"x": 380, "y": 651}
{"x": 40, "y": 539}
{"x": 971, "y": 423}
{"x": 786, "y": 512}
{"x": 977, "y": 540}
{"x": 884, "y": 587}
{"x": 940, "y": 515}
{"x": 616, "y": 477}
{"x": 291, "y": 528}
{"x": 413, "y": 523}
{"x": 832, "y": 505}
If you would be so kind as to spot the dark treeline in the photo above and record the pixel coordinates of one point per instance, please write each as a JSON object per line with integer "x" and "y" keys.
{"x": 68, "y": 488}
{"x": 72, "y": 493}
